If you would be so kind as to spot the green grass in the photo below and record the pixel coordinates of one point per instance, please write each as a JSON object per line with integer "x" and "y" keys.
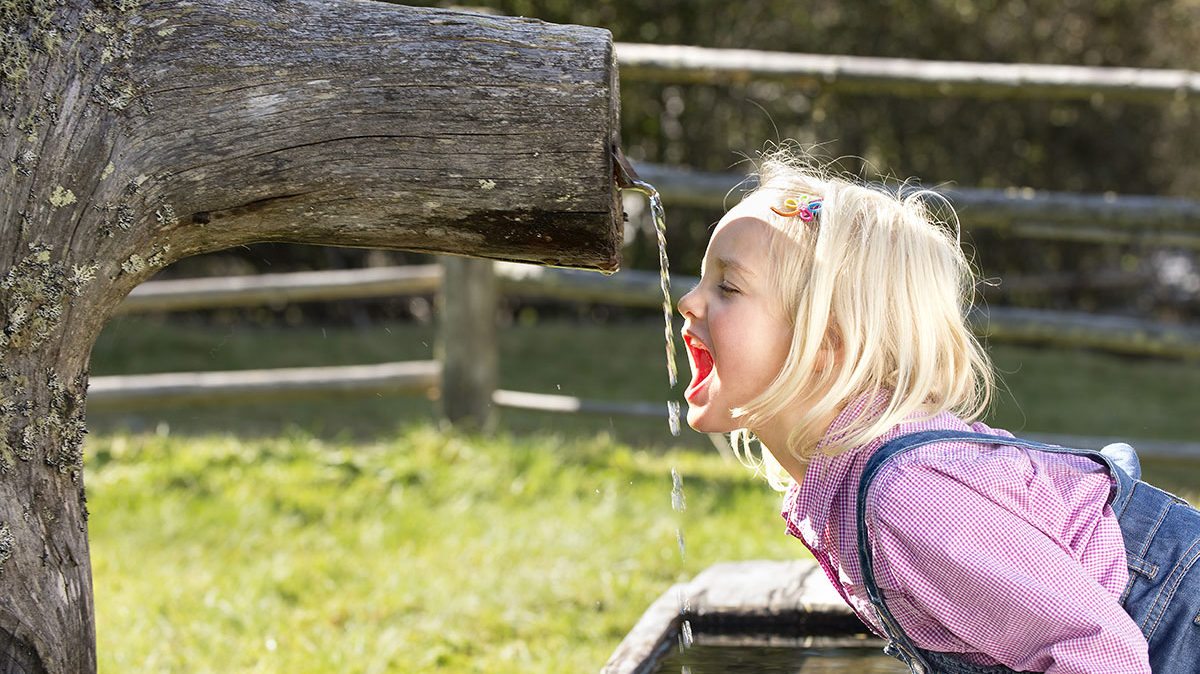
{"x": 353, "y": 535}
{"x": 430, "y": 552}
{"x": 1088, "y": 393}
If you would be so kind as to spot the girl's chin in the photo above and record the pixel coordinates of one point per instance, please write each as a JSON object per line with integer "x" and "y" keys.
{"x": 702, "y": 419}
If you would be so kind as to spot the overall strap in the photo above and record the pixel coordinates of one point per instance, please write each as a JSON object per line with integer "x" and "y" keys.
{"x": 899, "y": 644}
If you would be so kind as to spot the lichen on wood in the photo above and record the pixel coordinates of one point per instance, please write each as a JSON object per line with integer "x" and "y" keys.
{"x": 32, "y": 296}
{"x": 6, "y": 544}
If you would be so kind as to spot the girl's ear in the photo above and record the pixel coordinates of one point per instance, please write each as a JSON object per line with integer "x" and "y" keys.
{"x": 831, "y": 350}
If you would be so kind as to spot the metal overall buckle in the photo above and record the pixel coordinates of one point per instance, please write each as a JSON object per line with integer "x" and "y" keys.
{"x": 898, "y": 650}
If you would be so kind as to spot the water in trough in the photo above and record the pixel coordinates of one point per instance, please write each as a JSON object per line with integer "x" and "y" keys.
{"x": 703, "y": 658}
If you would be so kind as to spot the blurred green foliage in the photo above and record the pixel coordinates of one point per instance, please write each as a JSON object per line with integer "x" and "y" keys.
{"x": 1089, "y": 146}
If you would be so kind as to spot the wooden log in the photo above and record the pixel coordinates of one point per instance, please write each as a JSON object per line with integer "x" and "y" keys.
{"x": 466, "y": 345}
{"x": 277, "y": 289}
{"x": 368, "y": 124}
{"x": 137, "y": 133}
{"x": 902, "y": 77}
{"x": 1116, "y": 334}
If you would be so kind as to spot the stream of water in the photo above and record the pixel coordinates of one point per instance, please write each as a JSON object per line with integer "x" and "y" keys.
{"x": 664, "y": 274}
{"x": 678, "y": 503}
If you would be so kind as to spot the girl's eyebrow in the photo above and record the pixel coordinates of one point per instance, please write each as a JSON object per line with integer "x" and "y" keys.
{"x": 730, "y": 263}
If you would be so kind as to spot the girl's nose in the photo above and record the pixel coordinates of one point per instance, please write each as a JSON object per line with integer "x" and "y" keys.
{"x": 689, "y": 304}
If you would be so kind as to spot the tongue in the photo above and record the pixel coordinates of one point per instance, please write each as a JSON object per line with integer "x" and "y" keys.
{"x": 704, "y": 366}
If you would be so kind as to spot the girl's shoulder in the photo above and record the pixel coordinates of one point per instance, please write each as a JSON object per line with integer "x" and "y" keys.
{"x": 954, "y": 461}
{"x": 982, "y": 468}
{"x": 1040, "y": 487}
{"x": 949, "y": 457}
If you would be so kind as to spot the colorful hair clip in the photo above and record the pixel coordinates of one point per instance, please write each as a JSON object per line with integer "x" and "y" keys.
{"x": 804, "y": 206}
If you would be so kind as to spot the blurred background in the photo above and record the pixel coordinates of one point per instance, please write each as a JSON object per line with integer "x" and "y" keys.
{"x": 360, "y": 532}
{"x": 1089, "y": 146}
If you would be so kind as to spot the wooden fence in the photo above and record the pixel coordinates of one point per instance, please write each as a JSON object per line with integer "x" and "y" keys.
{"x": 627, "y": 288}
{"x": 1107, "y": 218}
{"x": 904, "y": 77}
{"x": 470, "y": 371}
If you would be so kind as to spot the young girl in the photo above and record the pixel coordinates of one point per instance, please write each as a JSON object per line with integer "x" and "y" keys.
{"x": 829, "y": 324}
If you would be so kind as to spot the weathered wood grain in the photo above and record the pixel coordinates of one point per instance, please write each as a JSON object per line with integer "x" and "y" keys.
{"x": 767, "y": 595}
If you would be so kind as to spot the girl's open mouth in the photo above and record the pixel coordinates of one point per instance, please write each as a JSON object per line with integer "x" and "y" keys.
{"x": 702, "y": 366}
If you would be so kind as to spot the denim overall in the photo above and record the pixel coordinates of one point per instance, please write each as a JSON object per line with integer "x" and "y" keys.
{"x": 1162, "y": 545}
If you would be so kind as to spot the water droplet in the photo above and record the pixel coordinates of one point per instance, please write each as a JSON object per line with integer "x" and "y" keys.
{"x": 673, "y": 416}
{"x": 679, "y": 537}
{"x": 685, "y": 634}
{"x": 678, "y": 503}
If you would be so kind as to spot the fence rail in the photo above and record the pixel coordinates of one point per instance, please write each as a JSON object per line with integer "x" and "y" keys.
{"x": 115, "y": 393}
{"x": 905, "y": 77}
{"x": 626, "y": 288}
{"x": 125, "y": 392}
{"x": 634, "y": 288}
{"x": 279, "y": 289}
{"x": 1109, "y": 218}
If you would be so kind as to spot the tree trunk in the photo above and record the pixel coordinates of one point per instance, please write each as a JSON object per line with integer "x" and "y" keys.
{"x": 138, "y": 133}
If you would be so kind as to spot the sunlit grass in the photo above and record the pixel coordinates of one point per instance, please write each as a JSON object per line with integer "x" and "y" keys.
{"x": 431, "y": 552}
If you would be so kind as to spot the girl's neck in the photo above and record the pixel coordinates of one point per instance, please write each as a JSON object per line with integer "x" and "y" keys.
{"x": 774, "y": 436}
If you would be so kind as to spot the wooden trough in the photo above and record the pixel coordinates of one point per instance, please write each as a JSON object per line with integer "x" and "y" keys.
{"x": 750, "y": 602}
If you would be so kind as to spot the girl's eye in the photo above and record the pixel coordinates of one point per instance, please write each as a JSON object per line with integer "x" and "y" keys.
{"x": 727, "y": 289}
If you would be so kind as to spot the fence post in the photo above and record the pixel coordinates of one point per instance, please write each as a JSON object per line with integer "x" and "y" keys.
{"x": 467, "y": 341}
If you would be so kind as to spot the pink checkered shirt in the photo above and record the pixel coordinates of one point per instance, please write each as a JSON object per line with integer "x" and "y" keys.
{"x": 1006, "y": 557}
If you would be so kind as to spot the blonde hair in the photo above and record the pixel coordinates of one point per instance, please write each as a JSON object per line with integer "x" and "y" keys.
{"x": 876, "y": 290}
